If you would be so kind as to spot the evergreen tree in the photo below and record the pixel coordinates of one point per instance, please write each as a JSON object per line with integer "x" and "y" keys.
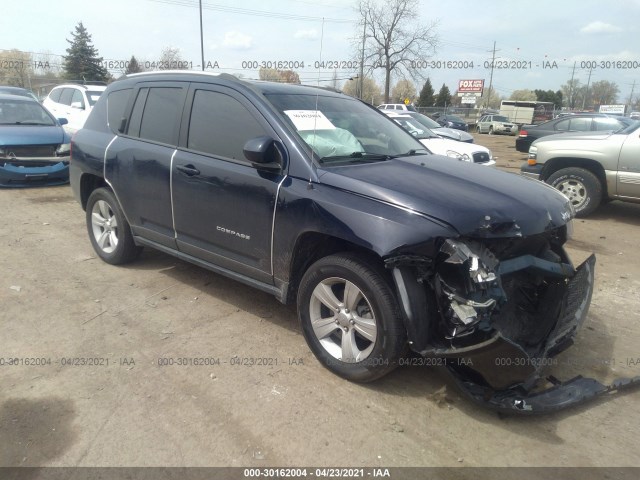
{"x": 444, "y": 96}
{"x": 82, "y": 61}
{"x": 133, "y": 67}
{"x": 426, "y": 98}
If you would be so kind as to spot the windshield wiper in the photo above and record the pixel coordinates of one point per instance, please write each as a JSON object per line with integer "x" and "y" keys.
{"x": 28, "y": 123}
{"x": 411, "y": 153}
{"x": 356, "y": 157}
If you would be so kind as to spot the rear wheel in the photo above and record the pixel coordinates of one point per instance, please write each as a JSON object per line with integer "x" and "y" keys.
{"x": 490, "y": 130}
{"x": 350, "y": 317}
{"x": 109, "y": 231}
{"x": 582, "y": 187}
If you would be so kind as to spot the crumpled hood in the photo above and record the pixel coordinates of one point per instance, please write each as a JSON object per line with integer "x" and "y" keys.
{"x": 32, "y": 135}
{"x": 475, "y": 200}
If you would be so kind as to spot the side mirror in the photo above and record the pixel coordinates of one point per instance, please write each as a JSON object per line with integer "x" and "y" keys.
{"x": 63, "y": 121}
{"x": 262, "y": 153}
{"x": 77, "y": 105}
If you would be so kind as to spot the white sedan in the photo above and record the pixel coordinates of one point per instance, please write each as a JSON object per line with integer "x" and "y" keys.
{"x": 468, "y": 152}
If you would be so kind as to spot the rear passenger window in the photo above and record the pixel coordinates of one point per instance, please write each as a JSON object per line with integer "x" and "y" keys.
{"x": 220, "y": 125}
{"x": 580, "y": 124}
{"x": 116, "y": 103}
{"x": 161, "y": 115}
{"x": 77, "y": 99}
{"x": 65, "y": 97}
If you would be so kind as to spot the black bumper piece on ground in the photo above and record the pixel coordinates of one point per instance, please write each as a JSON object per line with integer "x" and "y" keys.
{"x": 562, "y": 395}
{"x": 510, "y": 384}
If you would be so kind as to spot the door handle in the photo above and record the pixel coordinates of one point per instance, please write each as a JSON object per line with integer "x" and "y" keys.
{"x": 188, "y": 170}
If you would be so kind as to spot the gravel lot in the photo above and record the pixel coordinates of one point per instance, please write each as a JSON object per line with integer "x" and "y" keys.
{"x": 116, "y": 406}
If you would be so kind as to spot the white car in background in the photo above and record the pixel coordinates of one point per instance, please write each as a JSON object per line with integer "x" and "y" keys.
{"x": 468, "y": 152}
{"x": 445, "y": 132}
{"x": 73, "y": 102}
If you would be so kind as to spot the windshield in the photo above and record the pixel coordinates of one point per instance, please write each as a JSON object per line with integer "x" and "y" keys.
{"x": 93, "y": 96}
{"x": 18, "y": 112}
{"x": 631, "y": 128}
{"x": 424, "y": 120}
{"x": 500, "y": 118}
{"x": 453, "y": 118}
{"x": 415, "y": 128}
{"x": 343, "y": 130}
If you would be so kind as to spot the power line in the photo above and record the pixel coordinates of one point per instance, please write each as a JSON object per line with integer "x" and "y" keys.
{"x": 251, "y": 12}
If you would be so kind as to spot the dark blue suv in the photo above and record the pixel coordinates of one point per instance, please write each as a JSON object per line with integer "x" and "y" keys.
{"x": 321, "y": 200}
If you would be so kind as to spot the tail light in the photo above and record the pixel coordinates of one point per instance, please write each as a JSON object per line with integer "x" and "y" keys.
{"x": 523, "y": 133}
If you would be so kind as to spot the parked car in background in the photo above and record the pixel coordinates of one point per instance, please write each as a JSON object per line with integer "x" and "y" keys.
{"x": 466, "y": 152}
{"x": 397, "y": 106}
{"x": 444, "y": 132}
{"x": 23, "y": 92}
{"x": 634, "y": 115}
{"x": 451, "y": 121}
{"x": 73, "y": 102}
{"x": 589, "y": 122}
{"x": 496, "y": 124}
{"x": 34, "y": 148}
{"x": 589, "y": 167}
{"x": 383, "y": 247}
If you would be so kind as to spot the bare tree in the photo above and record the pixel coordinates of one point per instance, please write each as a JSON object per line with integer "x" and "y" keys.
{"x": 395, "y": 39}
{"x": 275, "y": 75}
{"x": 16, "y": 68}
{"x": 402, "y": 90}
{"x": 370, "y": 91}
{"x": 523, "y": 95}
{"x": 171, "y": 59}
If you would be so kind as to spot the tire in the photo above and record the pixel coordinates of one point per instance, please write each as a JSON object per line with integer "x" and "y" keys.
{"x": 109, "y": 231}
{"x": 490, "y": 130}
{"x": 582, "y": 187}
{"x": 478, "y": 129}
{"x": 362, "y": 346}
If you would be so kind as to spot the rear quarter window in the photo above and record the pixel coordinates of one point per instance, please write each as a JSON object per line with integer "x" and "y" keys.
{"x": 55, "y": 94}
{"x": 116, "y": 103}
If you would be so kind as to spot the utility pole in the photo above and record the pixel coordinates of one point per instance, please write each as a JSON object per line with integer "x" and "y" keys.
{"x": 633, "y": 87}
{"x": 586, "y": 93}
{"x": 361, "y": 77}
{"x": 493, "y": 59}
{"x": 570, "y": 99}
{"x": 201, "y": 37}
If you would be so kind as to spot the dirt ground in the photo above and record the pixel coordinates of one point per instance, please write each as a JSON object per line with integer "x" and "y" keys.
{"x": 102, "y": 398}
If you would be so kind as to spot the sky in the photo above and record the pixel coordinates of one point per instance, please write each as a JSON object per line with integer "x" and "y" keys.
{"x": 240, "y": 35}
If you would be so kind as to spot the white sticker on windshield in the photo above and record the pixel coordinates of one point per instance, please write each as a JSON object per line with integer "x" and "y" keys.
{"x": 309, "y": 120}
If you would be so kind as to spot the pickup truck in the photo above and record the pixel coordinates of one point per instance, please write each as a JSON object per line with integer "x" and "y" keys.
{"x": 323, "y": 201}
{"x": 589, "y": 167}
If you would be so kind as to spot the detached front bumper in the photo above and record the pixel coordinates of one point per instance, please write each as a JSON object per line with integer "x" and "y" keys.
{"x": 503, "y": 375}
{"x": 32, "y": 172}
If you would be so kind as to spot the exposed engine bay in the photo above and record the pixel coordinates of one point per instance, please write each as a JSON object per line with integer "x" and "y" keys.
{"x": 498, "y": 310}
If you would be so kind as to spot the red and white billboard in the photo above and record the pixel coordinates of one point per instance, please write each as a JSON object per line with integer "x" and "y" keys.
{"x": 470, "y": 87}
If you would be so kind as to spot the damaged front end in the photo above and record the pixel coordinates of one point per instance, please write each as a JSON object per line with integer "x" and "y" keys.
{"x": 499, "y": 310}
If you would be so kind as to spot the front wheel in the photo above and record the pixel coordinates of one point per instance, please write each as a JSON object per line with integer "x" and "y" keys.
{"x": 490, "y": 130}
{"x": 580, "y": 186}
{"x": 350, "y": 317}
{"x": 108, "y": 228}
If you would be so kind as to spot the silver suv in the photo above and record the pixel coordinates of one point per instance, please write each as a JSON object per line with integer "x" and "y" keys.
{"x": 589, "y": 167}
